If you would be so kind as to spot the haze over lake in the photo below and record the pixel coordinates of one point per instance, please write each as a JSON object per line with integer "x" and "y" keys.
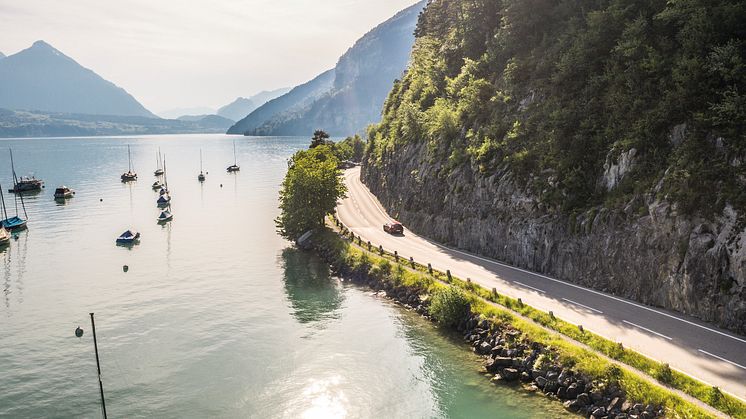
{"x": 217, "y": 315}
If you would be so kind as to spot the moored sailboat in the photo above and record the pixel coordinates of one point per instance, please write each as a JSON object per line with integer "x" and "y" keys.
{"x": 165, "y": 198}
{"x": 159, "y": 169}
{"x": 201, "y": 177}
{"x": 130, "y": 175}
{"x": 234, "y": 167}
{"x": 4, "y": 236}
{"x": 128, "y": 237}
{"x": 15, "y": 222}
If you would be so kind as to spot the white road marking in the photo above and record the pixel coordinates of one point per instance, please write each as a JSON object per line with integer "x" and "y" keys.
{"x": 621, "y": 300}
{"x": 528, "y": 286}
{"x": 583, "y": 305}
{"x": 722, "y": 359}
{"x": 647, "y": 330}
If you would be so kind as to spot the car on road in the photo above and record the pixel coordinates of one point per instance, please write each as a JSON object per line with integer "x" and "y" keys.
{"x": 393, "y": 227}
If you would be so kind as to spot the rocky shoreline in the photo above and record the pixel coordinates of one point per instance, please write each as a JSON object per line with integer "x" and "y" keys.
{"x": 509, "y": 356}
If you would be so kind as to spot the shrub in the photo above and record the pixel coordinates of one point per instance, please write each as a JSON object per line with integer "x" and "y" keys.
{"x": 449, "y": 306}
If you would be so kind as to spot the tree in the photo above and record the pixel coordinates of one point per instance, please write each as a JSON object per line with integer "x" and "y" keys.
{"x": 320, "y": 137}
{"x": 351, "y": 148}
{"x": 449, "y": 306}
{"x": 310, "y": 191}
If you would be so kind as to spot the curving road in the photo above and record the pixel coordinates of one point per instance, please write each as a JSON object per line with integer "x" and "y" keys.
{"x": 712, "y": 355}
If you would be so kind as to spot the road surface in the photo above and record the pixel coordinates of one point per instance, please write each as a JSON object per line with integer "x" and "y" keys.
{"x": 699, "y": 349}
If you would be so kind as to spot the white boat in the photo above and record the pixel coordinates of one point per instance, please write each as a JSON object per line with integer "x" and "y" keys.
{"x": 157, "y": 185}
{"x": 4, "y": 236}
{"x": 129, "y": 237}
{"x": 165, "y": 216}
{"x": 63, "y": 192}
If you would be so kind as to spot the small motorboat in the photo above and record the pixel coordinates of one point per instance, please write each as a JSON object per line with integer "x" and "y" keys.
{"x": 157, "y": 185}
{"x": 63, "y": 192}
{"x": 4, "y": 237}
{"x": 24, "y": 183}
{"x": 27, "y": 184}
{"x": 13, "y": 223}
{"x": 234, "y": 167}
{"x": 128, "y": 237}
{"x": 163, "y": 200}
{"x": 165, "y": 216}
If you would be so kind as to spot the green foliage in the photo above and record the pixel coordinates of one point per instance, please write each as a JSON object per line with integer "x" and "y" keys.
{"x": 351, "y": 148}
{"x": 449, "y": 305}
{"x": 550, "y": 88}
{"x": 320, "y": 137}
{"x": 310, "y": 191}
{"x": 664, "y": 374}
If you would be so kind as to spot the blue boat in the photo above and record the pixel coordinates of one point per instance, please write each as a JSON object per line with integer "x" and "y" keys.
{"x": 128, "y": 237}
{"x": 11, "y": 223}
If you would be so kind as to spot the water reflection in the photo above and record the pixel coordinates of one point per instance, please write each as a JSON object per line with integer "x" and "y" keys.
{"x": 313, "y": 295}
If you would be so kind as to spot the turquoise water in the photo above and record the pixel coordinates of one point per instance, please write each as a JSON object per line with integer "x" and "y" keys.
{"x": 217, "y": 316}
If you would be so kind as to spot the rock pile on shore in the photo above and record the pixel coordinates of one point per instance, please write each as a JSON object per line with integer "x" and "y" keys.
{"x": 510, "y": 357}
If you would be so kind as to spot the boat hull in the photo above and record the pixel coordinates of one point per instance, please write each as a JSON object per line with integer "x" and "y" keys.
{"x": 13, "y": 223}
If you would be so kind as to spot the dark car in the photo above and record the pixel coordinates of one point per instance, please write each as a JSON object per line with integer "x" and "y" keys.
{"x": 393, "y": 228}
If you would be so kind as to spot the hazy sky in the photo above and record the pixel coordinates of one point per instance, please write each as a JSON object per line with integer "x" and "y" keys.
{"x": 189, "y": 53}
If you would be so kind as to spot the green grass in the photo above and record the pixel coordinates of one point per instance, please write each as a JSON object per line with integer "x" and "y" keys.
{"x": 418, "y": 275}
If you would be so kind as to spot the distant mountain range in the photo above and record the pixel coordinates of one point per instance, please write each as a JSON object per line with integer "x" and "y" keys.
{"x": 2, "y": 55}
{"x": 55, "y": 124}
{"x": 347, "y": 99}
{"x": 242, "y": 106}
{"x": 176, "y": 113}
{"x": 41, "y": 78}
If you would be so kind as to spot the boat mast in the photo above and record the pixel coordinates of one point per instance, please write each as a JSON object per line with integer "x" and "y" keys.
{"x": 98, "y": 367}
{"x": 200, "y": 160}
{"x": 2, "y": 199}
{"x": 235, "y": 159}
{"x": 129, "y": 157}
{"x": 165, "y": 178}
{"x": 13, "y": 169}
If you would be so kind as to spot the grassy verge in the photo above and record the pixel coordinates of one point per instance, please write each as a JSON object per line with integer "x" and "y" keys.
{"x": 504, "y": 307}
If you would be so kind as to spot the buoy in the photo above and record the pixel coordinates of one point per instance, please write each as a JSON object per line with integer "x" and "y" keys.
{"x": 125, "y": 268}
{"x": 78, "y": 332}
{"x": 101, "y": 200}
{"x": 221, "y": 185}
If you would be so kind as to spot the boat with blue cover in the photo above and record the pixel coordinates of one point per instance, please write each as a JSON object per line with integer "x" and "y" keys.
{"x": 128, "y": 237}
{"x": 15, "y": 222}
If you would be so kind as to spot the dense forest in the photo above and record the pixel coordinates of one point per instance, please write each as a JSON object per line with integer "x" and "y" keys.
{"x": 556, "y": 90}
{"x": 598, "y": 141}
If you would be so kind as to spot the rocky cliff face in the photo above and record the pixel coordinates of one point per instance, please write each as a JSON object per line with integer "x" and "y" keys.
{"x": 647, "y": 250}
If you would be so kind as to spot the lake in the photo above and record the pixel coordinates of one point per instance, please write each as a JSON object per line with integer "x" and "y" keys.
{"x": 217, "y": 316}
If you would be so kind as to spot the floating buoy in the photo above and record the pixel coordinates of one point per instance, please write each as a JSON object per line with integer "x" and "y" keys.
{"x": 101, "y": 200}
{"x": 221, "y": 185}
{"x": 125, "y": 268}
{"x": 78, "y": 332}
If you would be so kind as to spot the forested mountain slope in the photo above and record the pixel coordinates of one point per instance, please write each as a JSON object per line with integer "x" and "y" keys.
{"x": 601, "y": 142}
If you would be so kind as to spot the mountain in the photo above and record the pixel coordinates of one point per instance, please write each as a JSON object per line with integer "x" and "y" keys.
{"x": 362, "y": 78}
{"x": 177, "y": 112}
{"x": 43, "y": 78}
{"x": 213, "y": 122}
{"x": 298, "y": 97}
{"x": 55, "y": 124}
{"x": 242, "y": 106}
{"x": 603, "y": 145}
{"x": 2, "y": 55}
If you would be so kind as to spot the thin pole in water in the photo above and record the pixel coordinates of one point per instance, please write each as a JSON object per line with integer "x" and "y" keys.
{"x": 98, "y": 367}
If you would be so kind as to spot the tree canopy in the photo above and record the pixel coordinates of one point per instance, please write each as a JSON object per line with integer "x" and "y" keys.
{"x": 310, "y": 191}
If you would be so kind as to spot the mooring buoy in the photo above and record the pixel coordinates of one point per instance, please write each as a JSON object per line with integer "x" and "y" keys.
{"x": 221, "y": 185}
{"x": 125, "y": 268}
{"x": 78, "y": 332}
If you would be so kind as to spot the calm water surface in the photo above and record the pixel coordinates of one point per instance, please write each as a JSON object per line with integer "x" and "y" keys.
{"x": 217, "y": 315}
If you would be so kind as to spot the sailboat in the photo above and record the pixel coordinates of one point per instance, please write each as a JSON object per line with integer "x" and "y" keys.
{"x": 235, "y": 167}
{"x": 159, "y": 168}
{"x": 128, "y": 237}
{"x": 201, "y": 176}
{"x": 4, "y": 236}
{"x": 12, "y": 223}
{"x": 166, "y": 215}
{"x": 25, "y": 183}
{"x": 130, "y": 175}
{"x": 165, "y": 198}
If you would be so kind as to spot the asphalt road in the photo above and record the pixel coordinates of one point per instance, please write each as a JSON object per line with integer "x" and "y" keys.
{"x": 699, "y": 349}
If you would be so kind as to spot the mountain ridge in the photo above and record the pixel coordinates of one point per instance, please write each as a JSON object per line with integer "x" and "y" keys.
{"x": 43, "y": 78}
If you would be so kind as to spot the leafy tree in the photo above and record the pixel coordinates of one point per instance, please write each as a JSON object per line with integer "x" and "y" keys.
{"x": 310, "y": 191}
{"x": 320, "y": 137}
{"x": 351, "y": 148}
